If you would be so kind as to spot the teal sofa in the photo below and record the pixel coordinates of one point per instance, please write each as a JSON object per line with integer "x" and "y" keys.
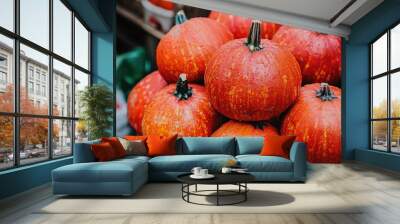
{"x": 125, "y": 176}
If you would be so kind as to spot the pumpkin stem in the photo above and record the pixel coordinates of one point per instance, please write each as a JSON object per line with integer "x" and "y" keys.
{"x": 183, "y": 91}
{"x": 325, "y": 93}
{"x": 253, "y": 41}
{"x": 258, "y": 124}
{"x": 180, "y": 17}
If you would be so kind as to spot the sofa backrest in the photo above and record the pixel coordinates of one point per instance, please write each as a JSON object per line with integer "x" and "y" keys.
{"x": 83, "y": 152}
{"x": 249, "y": 145}
{"x": 206, "y": 145}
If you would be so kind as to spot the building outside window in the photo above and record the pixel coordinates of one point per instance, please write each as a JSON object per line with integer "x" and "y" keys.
{"x": 44, "y": 77}
{"x": 37, "y": 75}
{"x": 58, "y": 126}
{"x": 43, "y": 90}
{"x": 3, "y": 72}
{"x": 30, "y": 87}
{"x": 30, "y": 72}
{"x": 385, "y": 92}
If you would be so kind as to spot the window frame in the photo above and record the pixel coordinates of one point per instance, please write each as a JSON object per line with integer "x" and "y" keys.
{"x": 16, "y": 115}
{"x": 388, "y": 74}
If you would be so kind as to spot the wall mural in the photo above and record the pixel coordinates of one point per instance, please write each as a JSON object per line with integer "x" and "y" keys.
{"x": 226, "y": 75}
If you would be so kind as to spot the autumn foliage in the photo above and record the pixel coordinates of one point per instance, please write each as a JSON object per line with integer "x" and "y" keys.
{"x": 33, "y": 131}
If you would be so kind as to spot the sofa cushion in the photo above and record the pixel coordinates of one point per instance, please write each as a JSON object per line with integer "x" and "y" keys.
{"x": 249, "y": 145}
{"x": 116, "y": 145}
{"x": 161, "y": 145}
{"x": 277, "y": 145}
{"x": 185, "y": 163}
{"x": 112, "y": 171}
{"x": 207, "y": 145}
{"x": 257, "y": 163}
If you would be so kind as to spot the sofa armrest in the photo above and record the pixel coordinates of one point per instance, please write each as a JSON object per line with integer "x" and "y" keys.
{"x": 83, "y": 152}
{"x": 298, "y": 155}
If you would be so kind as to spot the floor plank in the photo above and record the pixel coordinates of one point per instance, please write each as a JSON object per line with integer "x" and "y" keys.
{"x": 376, "y": 189}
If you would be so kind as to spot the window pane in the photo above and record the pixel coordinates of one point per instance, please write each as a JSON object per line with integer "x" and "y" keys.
{"x": 62, "y": 89}
{"x": 62, "y": 29}
{"x": 395, "y": 136}
{"x": 34, "y": 96}
{"x": 81, "y": 45}
{"x": 62, "y": 138}
{"x": 6, "y": 74}
{"x": 395, "y": 47}
{"x": 379, "y": 97}
{"x": 33, "y": 140}
{"x": 81, "y": 131}
{"x": 34, "y": 16}
{"x": 6, "y": 142}
{"x": 395, "y": 94}
{"x": 7, "y": 14}
{"x": 379, "y": 55}
{"x": 81, "y": 81}
{"x": 379, "y": 135}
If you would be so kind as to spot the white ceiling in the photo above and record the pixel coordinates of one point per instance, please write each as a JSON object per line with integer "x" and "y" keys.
{"x": 321, "y": 9}
{"x": 325, "y": 16}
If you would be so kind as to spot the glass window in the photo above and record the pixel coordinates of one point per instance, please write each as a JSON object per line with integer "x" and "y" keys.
{"x": 385, "y": 94}
{"x": 81, "y": 131}
{"x": 81, "y": 45}
{"x": 379, "y": 56}
{"x": 62, "y": 29}
{"x": 81, "y": 82}
{"x": 379, "y": 97}
{"x": 33, "y": 140}
{"x": 395, "y": 47}
{"x": 3, "y": 61}
{"x": 30, "y": 72}
{"x": 7, "y": 14}
{"x": 62, "y": 137}
{"x": 30, "y": 87}
{"x": 395, "y": 95}
{"x": 34, "y": 21}
{"x": 395, "y": 136}
{"x": 6, "y": 142}
{"x": 6, "y": 73}
{"x": 40, "y": 62}
{"x": 37, "y": 89}
{"x": 379, "y": 135}
{"x": 62, "y": 72}
{"x": 34, "y": 77}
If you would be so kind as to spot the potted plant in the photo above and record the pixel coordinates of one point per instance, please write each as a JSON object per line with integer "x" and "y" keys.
{"x": 96, "y": 103}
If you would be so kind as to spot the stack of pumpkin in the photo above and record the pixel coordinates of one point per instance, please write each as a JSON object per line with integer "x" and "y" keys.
{"x": 230, "y": 76}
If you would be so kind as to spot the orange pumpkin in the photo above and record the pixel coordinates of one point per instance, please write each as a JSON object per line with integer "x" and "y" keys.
{"x": 316, "y": 120}
{"x": 141, "y": 95}
{"x": 188, "y": 46}
{"x": 181, "y": 109}
{"x": 240, "y": 26}
{"x": 237, "y": 128}
{"x": 319, "y": 55}
{"x": 252, "y": 79}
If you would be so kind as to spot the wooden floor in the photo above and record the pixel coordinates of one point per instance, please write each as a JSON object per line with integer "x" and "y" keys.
{"x": 378, "y": 189}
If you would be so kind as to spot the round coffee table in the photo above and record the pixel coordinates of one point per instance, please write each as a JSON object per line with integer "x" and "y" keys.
{"x": 238, "y": 179}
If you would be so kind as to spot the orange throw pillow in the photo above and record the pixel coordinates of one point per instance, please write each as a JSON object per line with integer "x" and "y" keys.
{"x": 103, "y": 152}
{"x": 116, "y": 145}
{"x": 161, "y": 145}
{"x": 275, "y": 145}
{"x": 135, "y": 137}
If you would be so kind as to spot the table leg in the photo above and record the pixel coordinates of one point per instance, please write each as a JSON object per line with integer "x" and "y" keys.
{"x": 195, "y": 188}
{"x": 217, "y": 194}
{"x": 245, "y": 193}
{"x": 188, "y": 190}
